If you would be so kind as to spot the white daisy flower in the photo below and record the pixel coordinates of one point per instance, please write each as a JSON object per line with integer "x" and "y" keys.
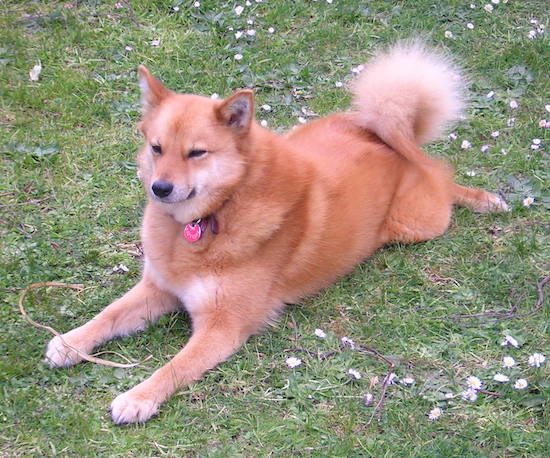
{"x": 368, "y": 398}
{"x": 271, "y": 30}
{"x": 513, "y": 104}
{"x": 490, "y": 94}
{"x": 347, "y": 342}
{"x": 511, "y": 122}
{"x": 239, "y": 34}
{"x": 354, "y": 374}
{"x": 509, "y": 340}
{"x": 469, "y": 395}
{"x": 338, "y": 84}
{"x": 250, "y": 21}
{"x": 547, "y": 107}
{"x": 448, "y": 34}
{"x": 239, "y": 9}
{"x": 392, "y": 378}
{"x": 449, "y": 395}
{"x": 470, "y": 26}
{"x": 532, "y": 34}
{"x": 215, "y": 96}
{"x": 407, "y": 381}
{"x": 320, "y": 333}
{"x": 536, "y": 359}
{"x": 251, "y": 32}
{"x": 266, "y": 107}
{"x": 472, "y": 5}
{"x": 293, "y": 362}
{"x": 474, "y": 383}
{"x": 155, "y": 43}
{"x": 542, "y": 123}
{"x": 121, "y": 268}
{"x": 528, "y": 201}
{"x": 521, "y": 384}
{"x": 485, "y": 148}
{"x": 128, "y": 48}
{"x": 537, "y": 141}
{"x": 471, "y": 173}
{"x": 238, "y": 56}
{"x": 453, "y": 136}
{"x": 465, "y": 144}
{"x": 508, "y": 362}
{"x": 501, "y": 378}
{"x": 302, "y": 120}
{"x": 489, "y": 8}
{"x": 495, "y": 134}
{"x": 263, "y": 123}
{"x": 197, "y": 4}
{"x": 435, "y": 414}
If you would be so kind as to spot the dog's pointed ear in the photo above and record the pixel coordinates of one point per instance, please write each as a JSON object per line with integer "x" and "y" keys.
{"x": 152, "y": 90}
{"x": 237, "y": 111}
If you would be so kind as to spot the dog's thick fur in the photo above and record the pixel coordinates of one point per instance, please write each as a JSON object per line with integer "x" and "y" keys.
{"x": 294, "y": 213}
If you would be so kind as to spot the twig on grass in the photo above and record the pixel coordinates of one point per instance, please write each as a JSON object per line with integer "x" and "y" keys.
{"x": 321, "y": 356}
{"x": 83, "y": 355}
{"x": 491, "y": 393}
{"x": 362, "y": 349}
{"x": 391, "y": 365}
{"x": 512, "y": 312}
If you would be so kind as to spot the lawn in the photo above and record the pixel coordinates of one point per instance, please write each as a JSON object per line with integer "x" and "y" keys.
{"x": 434, "y": 313}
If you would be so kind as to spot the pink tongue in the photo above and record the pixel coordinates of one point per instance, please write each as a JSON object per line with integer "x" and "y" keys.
{"x": 192, "y": 232}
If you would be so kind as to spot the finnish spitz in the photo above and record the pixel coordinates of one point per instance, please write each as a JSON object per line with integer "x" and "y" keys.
{"x": 240, "y": 220}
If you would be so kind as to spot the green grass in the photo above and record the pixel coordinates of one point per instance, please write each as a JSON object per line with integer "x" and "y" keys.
{"x": 70, "y": 206}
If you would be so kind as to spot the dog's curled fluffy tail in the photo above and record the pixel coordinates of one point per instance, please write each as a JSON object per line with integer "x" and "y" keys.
{"x": 407, "y": 96}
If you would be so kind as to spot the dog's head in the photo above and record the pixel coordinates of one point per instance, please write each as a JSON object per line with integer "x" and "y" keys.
{"x": 195, "y": 147}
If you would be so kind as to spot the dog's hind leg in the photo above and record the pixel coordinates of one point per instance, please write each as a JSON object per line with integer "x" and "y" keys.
{"x": 478, "y": 200}
{"x": 143, "y": 304}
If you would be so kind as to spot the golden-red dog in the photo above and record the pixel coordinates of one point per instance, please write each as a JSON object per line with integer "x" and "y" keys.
{"x": 240, "y": 221}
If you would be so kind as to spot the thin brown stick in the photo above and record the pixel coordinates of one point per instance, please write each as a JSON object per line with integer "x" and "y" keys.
{"x": 491, "y": 393}
{"x": 321, "y": 356}
{"x": 391, "y": 365}
{"x": 28, "y": 202}
{"x": 362, "y": 349}
{"x": 512, "y": 312}
{"x": 83, "y": 355}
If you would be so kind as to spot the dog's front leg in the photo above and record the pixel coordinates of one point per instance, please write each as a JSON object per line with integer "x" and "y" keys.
{"x": 217, "y": 334}
{"x": 143, "y": 304}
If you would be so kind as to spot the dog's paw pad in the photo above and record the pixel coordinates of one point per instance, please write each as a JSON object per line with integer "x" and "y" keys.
{"x": 132, "y": 408}
{"x": 59, "y": 355}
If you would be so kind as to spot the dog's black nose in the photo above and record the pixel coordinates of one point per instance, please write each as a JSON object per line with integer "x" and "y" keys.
{"x": 162, "y": 188}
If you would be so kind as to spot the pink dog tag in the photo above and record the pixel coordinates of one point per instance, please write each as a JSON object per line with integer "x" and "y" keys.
{"x": 192, "y": 232}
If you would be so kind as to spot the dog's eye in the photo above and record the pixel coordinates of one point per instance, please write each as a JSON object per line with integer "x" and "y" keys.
{"x": 197, "y": 153}
{"x": 156, "y": 149}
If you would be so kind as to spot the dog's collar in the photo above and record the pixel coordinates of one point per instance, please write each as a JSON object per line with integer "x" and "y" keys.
{"x": 193, "y": 231}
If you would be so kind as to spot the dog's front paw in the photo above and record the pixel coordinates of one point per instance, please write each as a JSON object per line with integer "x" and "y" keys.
{"x": 59, "y": 355}
{"x": 493, "y": 204}
{"x": 133, "y": 407}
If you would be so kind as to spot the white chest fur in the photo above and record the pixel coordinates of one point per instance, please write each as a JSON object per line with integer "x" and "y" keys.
{"x": 194, "y": 292}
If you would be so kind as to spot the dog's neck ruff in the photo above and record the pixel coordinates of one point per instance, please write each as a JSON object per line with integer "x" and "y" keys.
{"x": 193, "y": 231}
